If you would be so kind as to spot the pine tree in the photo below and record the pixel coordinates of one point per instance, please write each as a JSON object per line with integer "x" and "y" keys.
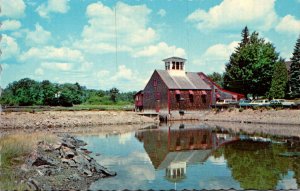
{"x": 279, "y": 80}
{"x": 295, "y": 71}
{"x": 245, "y": 36}
{"x": 251, "y": 66}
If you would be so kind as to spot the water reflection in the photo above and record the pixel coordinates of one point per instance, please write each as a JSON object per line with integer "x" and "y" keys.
{"x": 173, "y": 148}
{"x": 195, "y": 156}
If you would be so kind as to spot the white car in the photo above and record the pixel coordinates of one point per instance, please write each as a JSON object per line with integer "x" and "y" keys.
{"x": 226, "y": 102}
{"x": 260, "y": 102}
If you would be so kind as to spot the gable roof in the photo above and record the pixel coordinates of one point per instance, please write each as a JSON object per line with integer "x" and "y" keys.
{"x": 190, "y": 81}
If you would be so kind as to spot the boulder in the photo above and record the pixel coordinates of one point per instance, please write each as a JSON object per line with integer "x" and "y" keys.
{"x": 67, "y": 152}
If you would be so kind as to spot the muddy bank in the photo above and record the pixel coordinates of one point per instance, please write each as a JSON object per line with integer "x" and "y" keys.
{"x": 63, "y": 165}
{"x": 68, "y": 119}
{"x": 283, "y": 117}
{"x": 266, "y": 129}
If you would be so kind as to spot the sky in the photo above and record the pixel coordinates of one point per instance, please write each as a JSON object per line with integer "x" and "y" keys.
{"x": 106, "y": 43}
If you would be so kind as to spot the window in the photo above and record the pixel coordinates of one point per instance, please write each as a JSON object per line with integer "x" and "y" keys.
{"x": 157, "y": 96}
{"x": 155, "y": 83}
{"x": 203, "y": 97}
{"x": 177, "y": 97}
{"x": 173, "y": 65}
{"x": 181, "y": 65}
{"x": 177, "y": 65}
{"x": 191, "y": 98}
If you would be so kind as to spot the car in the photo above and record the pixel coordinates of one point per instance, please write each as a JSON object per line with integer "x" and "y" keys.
{"x": 226, "y": 103}
{"x": 260, "y": 103}
{"x": 244, "y": 103}
{"x": 282, "y": 103}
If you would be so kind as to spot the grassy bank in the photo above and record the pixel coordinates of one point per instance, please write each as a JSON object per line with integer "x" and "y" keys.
{"x": 83, "y": 107}
{"x": 14, "y": 149}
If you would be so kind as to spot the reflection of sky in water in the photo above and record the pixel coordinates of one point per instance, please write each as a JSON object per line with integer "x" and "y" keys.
{"x": 126, "y": 155}
{"x": 287, "y": 182}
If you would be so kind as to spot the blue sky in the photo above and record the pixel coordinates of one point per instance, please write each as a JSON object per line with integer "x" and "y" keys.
{"x": 75, "y": 41}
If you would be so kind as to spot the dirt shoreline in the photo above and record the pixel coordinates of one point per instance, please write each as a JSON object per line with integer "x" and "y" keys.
{"x": 271, "y": 117}
{"x": 68, "y": 119}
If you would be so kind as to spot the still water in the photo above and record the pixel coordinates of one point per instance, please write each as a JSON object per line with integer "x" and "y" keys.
{"x": 194, "y": 157}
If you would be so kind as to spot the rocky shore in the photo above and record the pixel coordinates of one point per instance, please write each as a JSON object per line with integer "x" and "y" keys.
{"x": 63, "y": 165}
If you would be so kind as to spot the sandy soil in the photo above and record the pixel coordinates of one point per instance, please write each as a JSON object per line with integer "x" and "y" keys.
{"x": 62, "y": 120}
{"x": 283, "y": 117}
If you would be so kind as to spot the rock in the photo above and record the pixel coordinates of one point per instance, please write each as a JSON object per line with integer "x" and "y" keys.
{"x": 33, "y": 184}
{"x": 87, "y": 172}
{"x": 75, "y": 177}
{"x": 67, "y": 152}
{"x": 100, "y": 169}
{"x": 56, "y": 146}
{"x": 70, "y": 162}
{"x": 81, "y": 161}
{"x": 39, "y": 159}
{"x": 67, "y": 143}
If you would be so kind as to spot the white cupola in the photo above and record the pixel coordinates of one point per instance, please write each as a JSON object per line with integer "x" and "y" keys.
{"x": 175, "y": 65}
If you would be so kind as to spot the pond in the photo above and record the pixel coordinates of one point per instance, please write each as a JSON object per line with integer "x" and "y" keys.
{"x": 183, "y": 156}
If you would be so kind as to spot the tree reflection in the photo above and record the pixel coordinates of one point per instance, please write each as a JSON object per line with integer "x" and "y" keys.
{"x": 257, "y": 165}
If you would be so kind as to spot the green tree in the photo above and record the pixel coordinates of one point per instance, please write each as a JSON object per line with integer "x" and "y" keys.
{"x": 217, "y": 78}
{"x": 25, "y": 92}
{"x": 71, "y": 94}
{"x": 295, "y": 71}
{"x": 250, "y": 67}
{"x": 279, "y": 80}
{"x": 113, "y": 94}
{"x": 49, "y": 92}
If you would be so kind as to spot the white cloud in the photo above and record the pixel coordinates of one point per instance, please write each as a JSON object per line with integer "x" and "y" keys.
{"x": 10, "y": 25}
{"x": 39, "y": 72}
{"x": 160, "y": 50}
{"x": 57, "y": 66}
{"x": 62, "y": 54}
{"x": 55, "y": 6}
{"x": 215, "y": 57}
{"x": 124, "y": 78}
{"x": 102, "y": 73}
{"x": 12, "y": 8}
{"x": 131, "y": 28}
{"x": 236, "y": 13}
{"x": 288, "y": 24}
{"x": 9, "y": 47}
{"x": 162, "y": 12}
{"x": 38, "y": 37}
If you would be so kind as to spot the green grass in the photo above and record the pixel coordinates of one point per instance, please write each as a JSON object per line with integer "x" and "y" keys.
{"x": 13, "y": 151}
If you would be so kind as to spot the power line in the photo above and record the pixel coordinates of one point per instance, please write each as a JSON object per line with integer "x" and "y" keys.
{"x": 116, "y": 40}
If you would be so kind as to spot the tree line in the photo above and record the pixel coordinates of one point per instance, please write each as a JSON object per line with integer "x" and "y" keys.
{"x": 28, "y": 92}
{"x": 255, "y": 69}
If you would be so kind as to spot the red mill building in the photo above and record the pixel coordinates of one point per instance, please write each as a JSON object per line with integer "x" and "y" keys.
{"x": 173, "y": 89}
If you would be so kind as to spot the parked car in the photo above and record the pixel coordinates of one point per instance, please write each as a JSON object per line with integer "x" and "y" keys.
{"x": 226, "y": 103}
{"x": 282, "y": 103}
{"x": 244, "y": 103}
{"x": 260, "y": 103}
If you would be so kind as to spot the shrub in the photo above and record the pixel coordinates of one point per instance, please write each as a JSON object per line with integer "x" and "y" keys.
{"x": 241, "y": 109}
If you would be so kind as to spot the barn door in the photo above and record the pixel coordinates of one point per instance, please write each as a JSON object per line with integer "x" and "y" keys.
{"x": 157, "y": 107}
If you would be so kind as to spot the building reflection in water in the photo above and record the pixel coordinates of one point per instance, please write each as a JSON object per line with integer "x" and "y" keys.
{"x": 173, "y": 148}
